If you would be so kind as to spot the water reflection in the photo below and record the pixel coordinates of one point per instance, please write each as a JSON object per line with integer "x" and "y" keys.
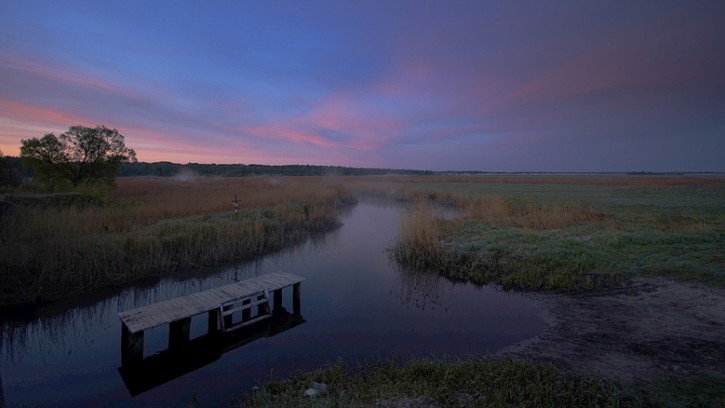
{"x": 2, "y": 391}
{"x": 358, "y": 306}
{"x": 173, "y": 363}
{"x": 425, "y": 289}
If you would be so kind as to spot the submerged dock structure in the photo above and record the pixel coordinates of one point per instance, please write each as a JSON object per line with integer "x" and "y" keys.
{"x": 229, "y": 307}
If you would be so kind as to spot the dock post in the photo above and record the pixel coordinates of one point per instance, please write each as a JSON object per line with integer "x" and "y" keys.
{"x": 179, "y": 332}
{"x": 246, "y": 313}
{"x": 296, "y": 309}
{"x": 131, "y": 346}
{"x": 262, "y": 307}
{"x": 228, "y": 319}
{"x": 213, "y": 321}
{"x": 277, "y": 300}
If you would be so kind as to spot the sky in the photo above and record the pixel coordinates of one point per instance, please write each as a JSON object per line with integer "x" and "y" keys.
{"x": 433, "y": 85}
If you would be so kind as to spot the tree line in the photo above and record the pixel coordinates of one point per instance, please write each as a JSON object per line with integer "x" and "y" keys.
{"x": 168, "y": 169}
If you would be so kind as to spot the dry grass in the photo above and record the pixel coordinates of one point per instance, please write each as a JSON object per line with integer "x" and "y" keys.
{"x": 496, "y": 210}
{"x": 421, "y": 227}
{"x": 575, "y": 179}
{"x": 154, "y": 198}
{"x": 152, "y": 227}
{"x": 579, "y": 237}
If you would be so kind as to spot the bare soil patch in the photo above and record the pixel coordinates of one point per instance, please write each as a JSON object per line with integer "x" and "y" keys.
{"x": 652, "y": 328}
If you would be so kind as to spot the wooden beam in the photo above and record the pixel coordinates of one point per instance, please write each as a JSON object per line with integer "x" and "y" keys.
{"x": 157, "y": 314}
{"x": 246, "y": 311}
{"x": 131, "y": 346}
{"x": 262, "y": 304}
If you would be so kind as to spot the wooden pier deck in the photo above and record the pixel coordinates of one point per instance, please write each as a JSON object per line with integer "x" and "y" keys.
{"x": 217, "y": 302}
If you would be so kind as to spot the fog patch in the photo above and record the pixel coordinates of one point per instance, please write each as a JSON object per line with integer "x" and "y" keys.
{"x": 186, "y": 176}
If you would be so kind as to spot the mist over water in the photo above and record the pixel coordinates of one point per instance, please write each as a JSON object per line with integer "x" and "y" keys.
{"x": 358, "y": 305}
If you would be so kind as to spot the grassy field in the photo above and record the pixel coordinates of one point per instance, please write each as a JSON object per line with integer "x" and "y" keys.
{"x": 522, "y": 232}
{"x": 559, "y": 233}
{"x": 490, "y": 382}
{"x": 478, "y": 382}
{"x": 527, "y": 232}
{"x": 567, "y": 232}
{"x": 150, "y": 227}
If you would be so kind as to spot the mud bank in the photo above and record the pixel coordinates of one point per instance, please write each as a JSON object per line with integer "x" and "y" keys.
{"x": 652, "y": 328}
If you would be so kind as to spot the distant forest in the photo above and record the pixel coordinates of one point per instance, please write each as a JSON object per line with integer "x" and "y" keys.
{"x": 168, "y": 169}
{"x": 12, "y": 172}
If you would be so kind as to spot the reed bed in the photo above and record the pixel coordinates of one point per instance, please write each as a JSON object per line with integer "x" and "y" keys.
{"x": 152, "y": 227}
{"x": 496, "y": 210}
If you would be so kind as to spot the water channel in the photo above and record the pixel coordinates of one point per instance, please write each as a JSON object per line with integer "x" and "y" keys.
{"x": 357, "y": 306}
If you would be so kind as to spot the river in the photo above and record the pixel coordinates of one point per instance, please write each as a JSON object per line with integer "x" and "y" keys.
{"x": 357, "y": 304}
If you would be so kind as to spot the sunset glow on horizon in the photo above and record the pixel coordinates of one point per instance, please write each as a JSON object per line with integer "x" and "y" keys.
{"x": 461, "y": 85}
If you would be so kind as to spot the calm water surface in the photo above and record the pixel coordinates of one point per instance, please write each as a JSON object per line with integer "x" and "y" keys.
{"x": 357, "y": 305}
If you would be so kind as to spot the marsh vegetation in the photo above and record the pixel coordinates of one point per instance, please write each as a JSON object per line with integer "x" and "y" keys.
{"x": 495, "y": 382}
{"x": 588, "y": 238}
{"x": 152, "y": 227}
{"x": 577, "y": 239}
{"x": 569, "y": 233}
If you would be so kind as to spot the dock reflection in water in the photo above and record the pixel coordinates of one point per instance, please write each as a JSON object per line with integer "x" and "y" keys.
{"x": 359, "y": 306}
{"x": 167, "y": 365}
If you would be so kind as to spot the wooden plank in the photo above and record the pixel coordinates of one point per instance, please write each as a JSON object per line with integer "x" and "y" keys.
{"x": 150, "y": 316}
{"x": 244, "y": 307}
{"x": 247, "y": 322}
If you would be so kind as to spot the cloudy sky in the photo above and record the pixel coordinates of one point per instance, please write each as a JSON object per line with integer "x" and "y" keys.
{"x": 441, "y": 85}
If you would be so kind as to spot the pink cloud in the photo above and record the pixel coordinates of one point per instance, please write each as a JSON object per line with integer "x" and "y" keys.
{"x": 22, "y": 111}
{"x": 23, "y": 121}
{"x": 16, "y": 65}
{"x": 287, "y": 133}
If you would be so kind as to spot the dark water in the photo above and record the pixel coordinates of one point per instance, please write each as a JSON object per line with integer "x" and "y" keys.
{"x": 356, "y": 303}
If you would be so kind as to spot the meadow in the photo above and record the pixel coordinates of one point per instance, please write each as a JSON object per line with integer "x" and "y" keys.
{"x": 571, "y": 234}
{"x": 495, "y": 382}
{"x": 568, "y": 235}
{"x": 567, "y": 232}
{"x": 56, "y": 246}
{"x": 521, "y": 232}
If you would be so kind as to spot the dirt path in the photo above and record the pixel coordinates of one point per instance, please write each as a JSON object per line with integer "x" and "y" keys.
{"x": 652, "y": 328}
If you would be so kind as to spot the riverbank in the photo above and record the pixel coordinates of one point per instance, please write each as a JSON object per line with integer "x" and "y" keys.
{"x": 153, "y": 227}
{"x": 629, "y": 271}
{"x": 661, "y": 337}
{"x": 496, "y": 382}
{"x": 652, "y": 343}
{"x": 557, "y": 235}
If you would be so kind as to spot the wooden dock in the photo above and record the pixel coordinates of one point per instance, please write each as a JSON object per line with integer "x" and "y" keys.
{"x": 167, "y": 365}
{"x": 230, "y": 307}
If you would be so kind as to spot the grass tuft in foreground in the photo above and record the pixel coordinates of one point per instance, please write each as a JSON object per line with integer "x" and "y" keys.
{"x": 494, "y": 382}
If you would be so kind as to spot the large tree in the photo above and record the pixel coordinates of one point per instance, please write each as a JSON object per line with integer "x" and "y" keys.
{"x": 80, "y": 155}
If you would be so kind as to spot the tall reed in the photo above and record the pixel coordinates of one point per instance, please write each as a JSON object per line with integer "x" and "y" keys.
{"x": 154, "y": 227}
{"x": 497, "y": 210}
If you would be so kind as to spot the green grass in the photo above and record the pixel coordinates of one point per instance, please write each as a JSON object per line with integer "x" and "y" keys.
{"x": 704, "y": 390}
{"x": 572, "y": 237}
{"x": 491, "y": 382}
{"x": 562, "y": 234}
